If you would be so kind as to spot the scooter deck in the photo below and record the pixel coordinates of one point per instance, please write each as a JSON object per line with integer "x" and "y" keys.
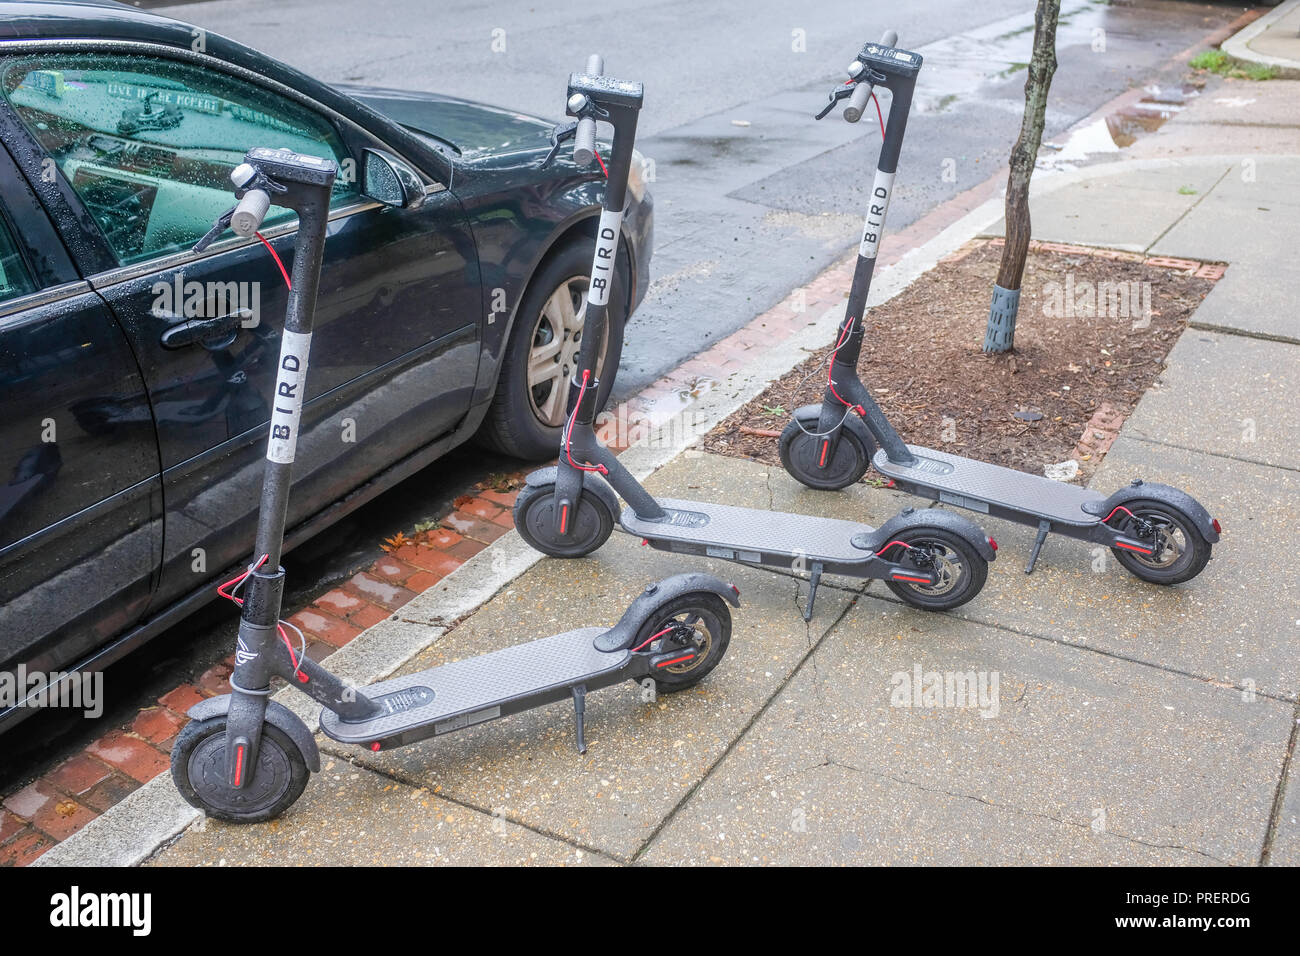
{"x": 747, "y": 534}
{"x": 977, "y": 485}
{"x": 479, "y": 689}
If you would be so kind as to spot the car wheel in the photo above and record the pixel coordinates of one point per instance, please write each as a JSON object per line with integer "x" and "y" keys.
{"x": 529, "y": 407}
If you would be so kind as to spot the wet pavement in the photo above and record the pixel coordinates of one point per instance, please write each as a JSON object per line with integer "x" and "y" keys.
{"x": 781, "y": 188}
{"x": 742, "y": 173}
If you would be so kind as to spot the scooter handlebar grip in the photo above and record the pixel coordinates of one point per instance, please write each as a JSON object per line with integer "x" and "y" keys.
{"x": 248, "y": 215}
{"x": 584, "y": 142}
{"x": 857, "y": 102}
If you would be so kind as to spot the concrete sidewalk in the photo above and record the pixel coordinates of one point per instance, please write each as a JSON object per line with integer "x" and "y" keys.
{"x": 1129, "y": 724}
{"x": 1272, "y": 40}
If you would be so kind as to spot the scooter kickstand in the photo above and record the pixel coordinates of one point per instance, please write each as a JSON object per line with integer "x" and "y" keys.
{"x": 813, "y": 580}
{"x": 579, "y": 713}
{"x": 1043, "y": 528}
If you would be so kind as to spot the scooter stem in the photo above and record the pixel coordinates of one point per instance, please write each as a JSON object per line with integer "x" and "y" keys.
{"x": 291, "y": 377}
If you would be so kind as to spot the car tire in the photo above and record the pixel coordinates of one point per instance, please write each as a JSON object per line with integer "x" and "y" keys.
{"x": 525, "y": 418}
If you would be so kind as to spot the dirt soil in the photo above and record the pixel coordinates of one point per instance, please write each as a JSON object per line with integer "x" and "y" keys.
{"x": 922, "y": 360}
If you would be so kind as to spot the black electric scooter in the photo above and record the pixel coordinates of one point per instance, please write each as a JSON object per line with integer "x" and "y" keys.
{"x": 1160, "y": 534}
{"x": 932, "y": 559}
{"x": 245, "y": 758}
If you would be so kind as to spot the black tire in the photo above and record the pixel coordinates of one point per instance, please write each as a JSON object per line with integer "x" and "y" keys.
{"x": 1191, "y": 550}
{"x": 965, "y": 566}
{"x": 535, "y": 521}
{"x": 800, "y": 451}
{"x": 515, "y": 422}
{"x": 711, "y": 620}
{"x": 199, "y": 770}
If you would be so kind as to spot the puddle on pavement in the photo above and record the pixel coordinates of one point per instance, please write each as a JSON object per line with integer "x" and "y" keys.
{"x": 1148, "y": 114}
{"x": 958, "y": 65}
{"x": 699, "y": 386}
{"x": 1120, "y": 129}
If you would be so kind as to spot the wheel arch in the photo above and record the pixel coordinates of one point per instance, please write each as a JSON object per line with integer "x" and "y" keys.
{"x": 581, "y": 225}
{"x": 1165, "y": 494}
{"x": 910, "y": 518}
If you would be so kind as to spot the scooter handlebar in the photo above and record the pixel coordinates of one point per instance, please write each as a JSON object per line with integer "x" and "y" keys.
{"x": 249, "y": 213}
{"x": 584, "y": 140}
{"x": 857, "y": 104}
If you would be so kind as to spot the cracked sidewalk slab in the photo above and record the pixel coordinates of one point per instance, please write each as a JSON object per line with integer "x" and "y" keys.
{"x": 1225, "y": 395}
{"x": 1084, "y": 760}
{"x": 349, "y": 816}
{"x": 645, "y": 757}
{"x": 1215, "y": 627}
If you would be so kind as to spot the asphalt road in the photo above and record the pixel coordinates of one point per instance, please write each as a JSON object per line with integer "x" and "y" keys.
{"x": 782, "y": 190}
{"x": 753, "y": 197}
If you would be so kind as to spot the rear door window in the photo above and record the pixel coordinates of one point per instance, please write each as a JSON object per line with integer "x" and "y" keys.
{"x": 15, "y": 279}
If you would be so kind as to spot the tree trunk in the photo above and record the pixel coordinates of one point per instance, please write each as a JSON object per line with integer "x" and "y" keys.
{"x": 1000, "y": 336}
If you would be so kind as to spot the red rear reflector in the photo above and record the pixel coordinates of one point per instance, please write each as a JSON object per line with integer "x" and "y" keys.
{"x": 675, "y": 660}
{"x": 735, "y": 590}
{"x": 375, "y": 746}
{"x": 239, "y": 764}
{"x": 993, "y": 544}
{"x": 1215, "y": 524}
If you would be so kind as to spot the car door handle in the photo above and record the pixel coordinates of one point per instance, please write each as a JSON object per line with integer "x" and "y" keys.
{"x": 191, "y": 331}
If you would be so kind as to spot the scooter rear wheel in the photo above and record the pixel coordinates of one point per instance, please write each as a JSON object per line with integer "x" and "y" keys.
{"x": 801, "y": 451}
{"x": 199, "y": 771}
{"x": 1184, "y": 552}
{"x": 962, "y": 571}
{"x": 590, "y": 525}
{"x": 709, "y": 622}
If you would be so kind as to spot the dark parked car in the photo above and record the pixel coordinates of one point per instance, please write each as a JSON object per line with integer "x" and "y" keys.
{"x": 131, "y": 449}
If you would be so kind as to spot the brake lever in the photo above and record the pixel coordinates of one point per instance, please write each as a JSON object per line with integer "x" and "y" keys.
{"x": 837, "y": 94}
{"x": 218, "y": 227}
{"x": 558, "y": 135}
{"x": 259, "y": 181}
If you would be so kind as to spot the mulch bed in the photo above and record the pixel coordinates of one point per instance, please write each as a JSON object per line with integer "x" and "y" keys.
{"x": 922, "y": 358}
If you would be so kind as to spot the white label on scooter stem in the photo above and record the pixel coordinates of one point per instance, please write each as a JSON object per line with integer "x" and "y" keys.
{"x": 881, "y": 190}
{"x": 602, "y": 267}
{"x": 286, "y": 409}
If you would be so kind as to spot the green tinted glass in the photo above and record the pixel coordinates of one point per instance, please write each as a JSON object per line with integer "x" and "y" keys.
{"x": 15, "y": 279}
{"x": 148, "y": 143}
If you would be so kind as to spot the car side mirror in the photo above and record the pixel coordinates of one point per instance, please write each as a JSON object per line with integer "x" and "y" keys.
{"x": 390, "y": 181}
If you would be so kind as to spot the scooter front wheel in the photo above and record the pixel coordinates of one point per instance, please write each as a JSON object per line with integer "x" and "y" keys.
{"x": 700, "y": 619}
{"x": 962, "y": 570}
{"x": 804, "y": 453}
{"x": 1181, "y": 553}
{"x": 588, "y": 527}
{"x": 199, "y": 771}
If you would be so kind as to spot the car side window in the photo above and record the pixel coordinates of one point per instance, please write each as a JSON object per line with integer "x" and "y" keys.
{"x": 15, "y": 278}
{"x": 148, "y": 143}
